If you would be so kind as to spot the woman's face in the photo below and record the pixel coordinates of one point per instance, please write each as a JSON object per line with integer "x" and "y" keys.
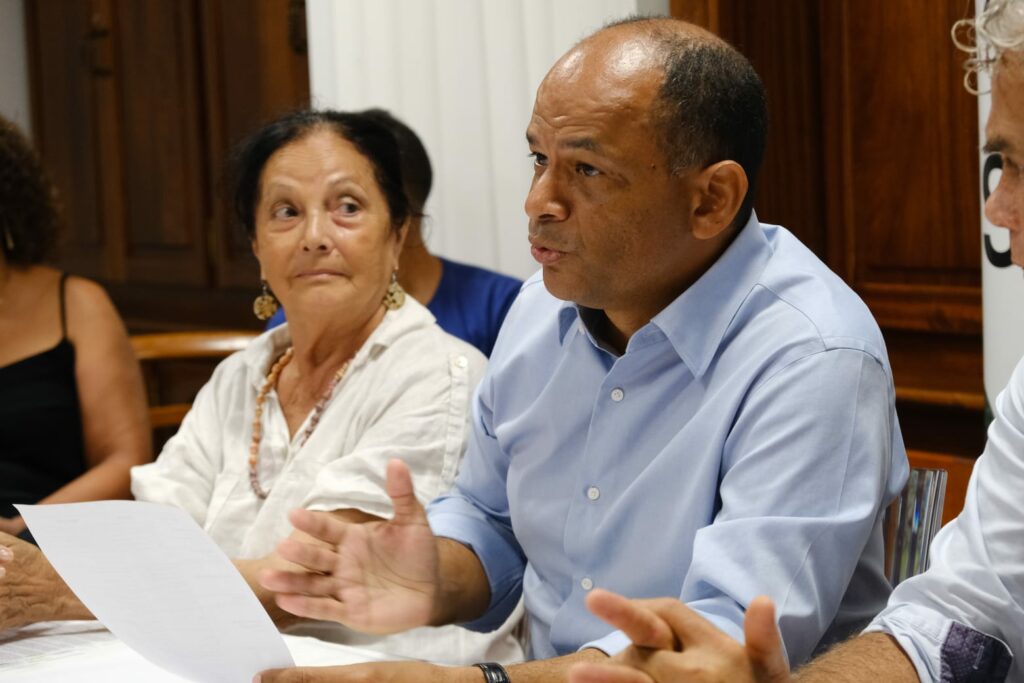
{"x": 324, "y": 238}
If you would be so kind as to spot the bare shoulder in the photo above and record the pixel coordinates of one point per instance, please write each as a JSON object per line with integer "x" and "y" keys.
{"x": 89, "y": 309}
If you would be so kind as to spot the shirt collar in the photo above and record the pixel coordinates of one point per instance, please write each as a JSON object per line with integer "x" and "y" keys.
{"x": 696, "y": 321}
{"x": 269, "y": 346}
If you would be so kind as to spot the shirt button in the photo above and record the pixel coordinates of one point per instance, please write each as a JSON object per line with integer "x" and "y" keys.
{"x": 618, "y": 394}
{"x": 593, "y": 493}
{"x": 461, "y": 362}
{"x": 586, "y": 584}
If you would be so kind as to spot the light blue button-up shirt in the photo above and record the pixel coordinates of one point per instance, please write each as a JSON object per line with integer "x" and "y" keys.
{"x": 745, "y": 443}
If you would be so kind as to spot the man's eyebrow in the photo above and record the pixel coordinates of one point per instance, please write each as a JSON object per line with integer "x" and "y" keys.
{"x": 589, "y": 144}
{"x": 997, "y": 145}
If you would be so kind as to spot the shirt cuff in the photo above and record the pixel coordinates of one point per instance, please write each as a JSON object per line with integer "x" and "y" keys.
{"x": 612, "y": 644}
{"x": 456, "y": 518}
{"x": 941, "y": 648}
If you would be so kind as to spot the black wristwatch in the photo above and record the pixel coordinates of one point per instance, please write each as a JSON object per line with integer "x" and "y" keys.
{"x": 493, "y": 672}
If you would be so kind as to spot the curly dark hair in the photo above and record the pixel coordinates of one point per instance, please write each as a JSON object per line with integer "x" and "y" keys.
{"x": 28, "y": 206}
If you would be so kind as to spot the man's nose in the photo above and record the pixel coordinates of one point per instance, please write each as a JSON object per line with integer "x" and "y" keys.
{"x": 1001, "y": 210}
{"x": 546, "y": 201}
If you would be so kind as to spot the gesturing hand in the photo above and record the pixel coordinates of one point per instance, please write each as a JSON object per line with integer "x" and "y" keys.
{"x": 671, "y": 642}
{"x": 376, "y": 577}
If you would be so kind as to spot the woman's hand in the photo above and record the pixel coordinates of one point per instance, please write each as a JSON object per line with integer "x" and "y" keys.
{"x": 30, "y": 589}
{"x": 671, "y": 643}
{"x": 12, "y": 525}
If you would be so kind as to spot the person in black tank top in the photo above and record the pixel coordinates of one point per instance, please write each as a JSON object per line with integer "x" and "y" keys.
{"x": 72, "y": 407}
{"x": 38, "y": 396}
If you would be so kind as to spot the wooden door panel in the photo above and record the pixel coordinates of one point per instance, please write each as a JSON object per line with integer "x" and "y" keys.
{"x": 165, "y": 180}
{"x": 904, "y": 171}
{"x": 258, "y": 70}
{"x": 65, "y": 127}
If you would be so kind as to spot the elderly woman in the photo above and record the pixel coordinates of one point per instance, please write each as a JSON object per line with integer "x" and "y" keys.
{"x": 467, "y": 301}
{"x": 311, "y": 412}
{"x": 72, "y": 407}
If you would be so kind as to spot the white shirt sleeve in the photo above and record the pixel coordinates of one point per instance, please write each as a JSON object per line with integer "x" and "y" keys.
{"x": 421, "y": 418}
{"x": 967, "y": 606}
{"x": 185, "y": 473}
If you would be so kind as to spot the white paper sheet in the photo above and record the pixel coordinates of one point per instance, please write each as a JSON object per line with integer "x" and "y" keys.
{"x": 161, "y": 585}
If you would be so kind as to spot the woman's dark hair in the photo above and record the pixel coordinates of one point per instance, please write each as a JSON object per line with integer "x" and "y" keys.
{"x": 416, "y": 170}
{"x": 373, "y": 140}
{"x": 28, "y": 213}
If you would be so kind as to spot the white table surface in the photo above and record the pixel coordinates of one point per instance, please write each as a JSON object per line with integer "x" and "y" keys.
{"x": 83, "y": 651}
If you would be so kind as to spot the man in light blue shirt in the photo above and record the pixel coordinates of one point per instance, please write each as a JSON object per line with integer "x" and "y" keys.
{"x": 686, "y": 401}
{"x": 962, "y": 620}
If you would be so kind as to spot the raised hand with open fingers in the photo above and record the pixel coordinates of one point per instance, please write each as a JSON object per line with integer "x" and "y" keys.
{"x": 376, "y": 577}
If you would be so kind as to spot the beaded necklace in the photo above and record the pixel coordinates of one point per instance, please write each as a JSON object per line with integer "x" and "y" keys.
{"x": 257, "y": 422}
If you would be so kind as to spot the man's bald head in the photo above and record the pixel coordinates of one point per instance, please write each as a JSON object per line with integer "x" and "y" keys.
{"x": 707, "y": 103}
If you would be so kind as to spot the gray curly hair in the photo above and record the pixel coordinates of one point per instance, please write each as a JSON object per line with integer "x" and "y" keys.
{"x": 998, "y": 29}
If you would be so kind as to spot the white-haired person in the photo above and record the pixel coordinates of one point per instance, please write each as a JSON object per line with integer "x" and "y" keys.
{"x": 962, "y": 620}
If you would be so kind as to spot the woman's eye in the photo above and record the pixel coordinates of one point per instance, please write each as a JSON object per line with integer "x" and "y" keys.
{"x": 348, "y": 208}
{"x": 587, "y": 170}
{"x": 284, "y": 212}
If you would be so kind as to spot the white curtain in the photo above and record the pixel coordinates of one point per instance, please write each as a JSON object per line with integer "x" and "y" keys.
{"x": 14, "y": 93}
{"x": 462, "y": 74}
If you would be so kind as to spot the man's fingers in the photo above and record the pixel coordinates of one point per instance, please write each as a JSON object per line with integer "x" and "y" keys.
{"x": 292, "y": 675}
{"x": 606, "y": 672}
{"x": 321, "y": 525}
{"x": 633, "y": 618}
{"x": 322, "y": 609}
{"x": 313, "y": 557}
{"x": 281, "y": 581}
{"x": 688, "y": 626}
{"x": 6, "y": 554}
{"x": 763, "y": 642}
{"x": 2, "y": 572}
{"x": 399, "y": 488}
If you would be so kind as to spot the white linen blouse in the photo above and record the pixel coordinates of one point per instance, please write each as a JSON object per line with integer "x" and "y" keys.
{"x": 406, "y": 395}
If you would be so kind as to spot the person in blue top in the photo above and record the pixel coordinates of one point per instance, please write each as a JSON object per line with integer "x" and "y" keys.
{"x": 468, "y": 302}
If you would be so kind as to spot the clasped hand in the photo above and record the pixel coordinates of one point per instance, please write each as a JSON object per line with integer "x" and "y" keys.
{"x": 671, "y": 643}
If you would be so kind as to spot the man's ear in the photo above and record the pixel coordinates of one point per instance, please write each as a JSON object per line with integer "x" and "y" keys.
{"x": 722, "y": 187}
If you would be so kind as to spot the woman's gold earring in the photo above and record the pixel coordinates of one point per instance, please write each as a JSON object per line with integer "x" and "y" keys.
{"x": 265, "y": 305}
{"x": 395, "y": 296}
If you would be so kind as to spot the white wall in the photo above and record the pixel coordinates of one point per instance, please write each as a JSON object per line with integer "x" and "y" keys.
{"x": 14, "y": 93}
{"x": 462, "y": 74}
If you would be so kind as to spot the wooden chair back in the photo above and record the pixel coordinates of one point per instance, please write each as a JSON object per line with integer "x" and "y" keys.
{"x": 208, "y": 345}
